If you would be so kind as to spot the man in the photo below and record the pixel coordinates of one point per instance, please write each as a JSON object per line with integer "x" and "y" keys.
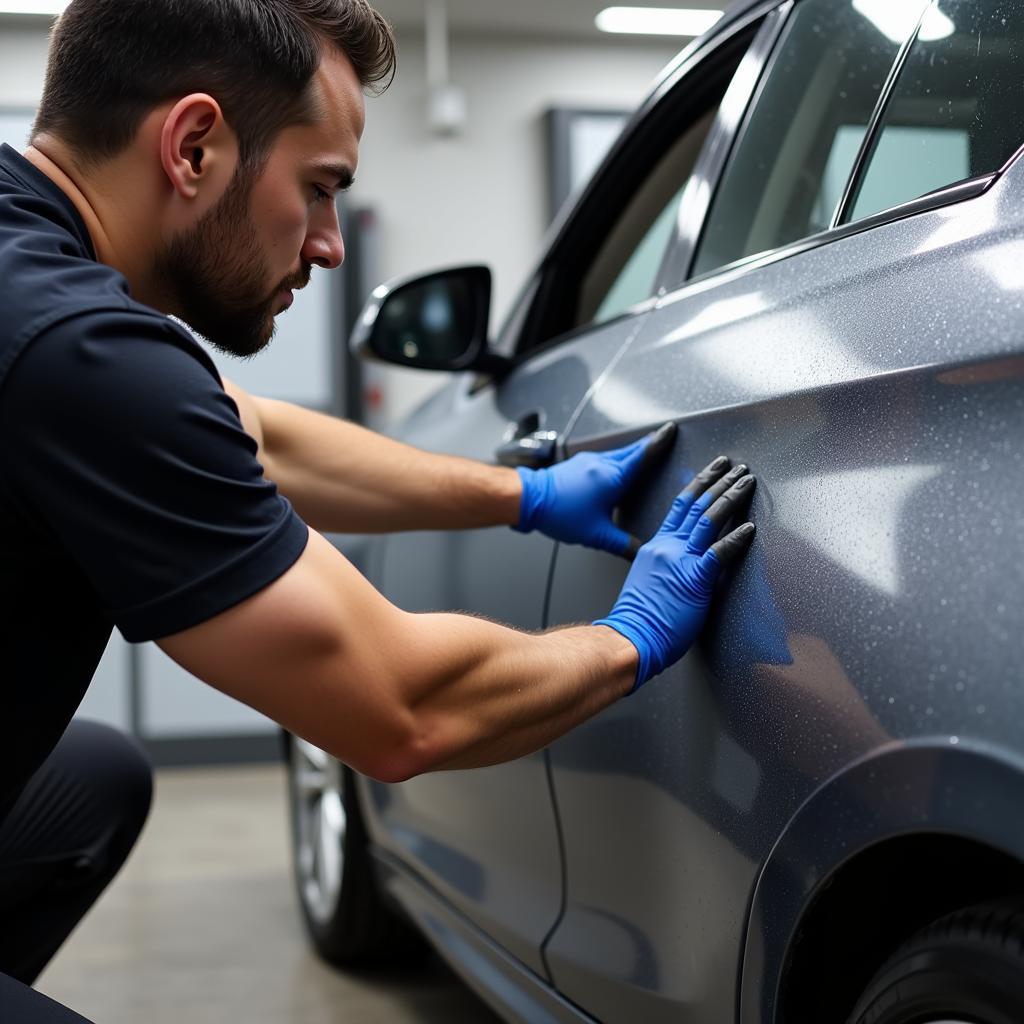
{"x": 185, "y": 162}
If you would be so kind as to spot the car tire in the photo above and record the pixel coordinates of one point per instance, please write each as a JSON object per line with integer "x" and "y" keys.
{"x": 965, "y": 967}
{"x": 346, "y": 918}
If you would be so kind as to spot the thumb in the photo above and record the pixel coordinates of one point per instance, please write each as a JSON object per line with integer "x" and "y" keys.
{"x": 619, "y": 542}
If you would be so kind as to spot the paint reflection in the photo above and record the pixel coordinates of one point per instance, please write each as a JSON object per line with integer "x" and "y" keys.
{"x": 817, "y": 509}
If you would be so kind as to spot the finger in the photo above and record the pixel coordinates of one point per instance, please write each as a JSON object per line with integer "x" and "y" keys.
{"x": 728, "y": 550}
{"x": 627, "y": 453}
{"x": 712, "y": 521}
{"x": 649, "y": 451}
{"x": 710, "y": 496}
{"x": 684, "y": 502}
{"x": 707, "y": 476}
{"x": 618, "y": 542}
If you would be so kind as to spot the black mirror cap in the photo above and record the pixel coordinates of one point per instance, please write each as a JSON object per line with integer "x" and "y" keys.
{"x": 369, "y": 336}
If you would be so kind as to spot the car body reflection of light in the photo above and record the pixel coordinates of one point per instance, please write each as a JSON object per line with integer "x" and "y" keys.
{"x": 1004, "y": 263}
{"x": 817, "y": 509}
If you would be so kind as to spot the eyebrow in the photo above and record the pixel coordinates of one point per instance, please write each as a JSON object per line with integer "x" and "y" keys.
{"x": 342, "y": 173}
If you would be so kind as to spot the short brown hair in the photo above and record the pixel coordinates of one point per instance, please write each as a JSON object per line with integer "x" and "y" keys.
{"x": 112, "y": 61}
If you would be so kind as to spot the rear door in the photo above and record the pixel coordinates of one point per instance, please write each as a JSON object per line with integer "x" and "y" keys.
{"x": 811, "y": 343}
{"x": 486, "y": 841}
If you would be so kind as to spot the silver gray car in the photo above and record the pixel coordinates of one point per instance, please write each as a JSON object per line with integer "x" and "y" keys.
{"x": 807, "y": 250}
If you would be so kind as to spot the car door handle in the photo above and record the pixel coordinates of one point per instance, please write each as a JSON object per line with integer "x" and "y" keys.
{"x": 534, "y": 450}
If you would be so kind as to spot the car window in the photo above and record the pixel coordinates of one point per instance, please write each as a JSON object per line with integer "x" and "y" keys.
{"x": 956, "y": 109}
{"x": 625, "y": 271}
{"x": 611, "y": 253}
{"x": 794, "y": 156}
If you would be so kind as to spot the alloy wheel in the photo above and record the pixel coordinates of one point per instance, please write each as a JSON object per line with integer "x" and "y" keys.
{"x": 320, "y": 825}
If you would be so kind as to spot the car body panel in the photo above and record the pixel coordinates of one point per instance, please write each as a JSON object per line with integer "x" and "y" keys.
{"x": 654, "y": 864}
{"x": 925, "y": 786}
{"x": 878, "y": 397}
{"x": 518, "y": 994}
{"x": 487, "y": 840}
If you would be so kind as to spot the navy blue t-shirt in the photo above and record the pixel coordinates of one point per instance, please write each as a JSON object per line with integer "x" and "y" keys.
{"x": 130, "y": 495}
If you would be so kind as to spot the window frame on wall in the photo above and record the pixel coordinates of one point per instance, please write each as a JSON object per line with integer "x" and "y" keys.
{"x": 562, "y": 125}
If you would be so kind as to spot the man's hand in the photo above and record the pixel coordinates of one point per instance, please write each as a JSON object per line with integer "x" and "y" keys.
{"x": 573, "y": 501}
{"x": 665, "y": 599}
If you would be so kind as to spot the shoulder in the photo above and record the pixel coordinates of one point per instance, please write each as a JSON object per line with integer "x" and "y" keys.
{"x": 112, "y": 373}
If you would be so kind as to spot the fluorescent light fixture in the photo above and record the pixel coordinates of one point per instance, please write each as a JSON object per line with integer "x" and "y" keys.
{"x": 50, "y": 8}
{"x": 657, "y": 21}
{"x": 897, "y": 20}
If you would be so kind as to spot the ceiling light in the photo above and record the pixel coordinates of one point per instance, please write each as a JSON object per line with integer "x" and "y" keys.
{"x": 50, "y": 8}
{"x": 657, "y": 21}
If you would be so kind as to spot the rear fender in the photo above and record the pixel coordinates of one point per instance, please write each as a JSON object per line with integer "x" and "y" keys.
{"x": 925, "y": 786}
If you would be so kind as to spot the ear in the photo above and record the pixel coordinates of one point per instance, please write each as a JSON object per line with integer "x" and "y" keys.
{"x": 198, "y": 149}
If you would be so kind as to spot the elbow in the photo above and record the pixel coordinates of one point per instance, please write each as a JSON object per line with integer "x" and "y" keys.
{"x": 404, "y": 762}
{"x": 422, "y": 748}
{"x": 412, "y": 751}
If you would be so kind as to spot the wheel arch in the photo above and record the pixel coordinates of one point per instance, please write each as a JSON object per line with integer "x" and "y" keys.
{"x": 877, "y": 836}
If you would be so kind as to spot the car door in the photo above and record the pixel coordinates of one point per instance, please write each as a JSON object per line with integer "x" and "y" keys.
{"x": 809, "y": 343}
{"x": 486, "y": 841}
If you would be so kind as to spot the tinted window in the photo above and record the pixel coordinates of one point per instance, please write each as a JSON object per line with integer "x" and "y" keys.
{"x": 790, "y": 167}
{"x": 957, "y": 109}
{"x": 612, "y": 254}
{"x": 625, "y": 271}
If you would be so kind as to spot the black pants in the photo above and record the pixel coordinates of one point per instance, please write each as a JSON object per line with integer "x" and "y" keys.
{"x": 61, "y": 844}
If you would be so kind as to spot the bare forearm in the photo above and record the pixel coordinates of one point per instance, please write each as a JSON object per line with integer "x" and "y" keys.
{"x": 343, "y": 478}
{"x": 482, "y": 694}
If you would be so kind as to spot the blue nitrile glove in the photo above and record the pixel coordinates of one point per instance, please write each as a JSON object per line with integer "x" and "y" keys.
{"x": 664, "y": 601}
{"x": 573, "y": 501}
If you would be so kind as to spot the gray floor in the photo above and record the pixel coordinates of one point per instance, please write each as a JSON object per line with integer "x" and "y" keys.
{"x": 201, "y": 926}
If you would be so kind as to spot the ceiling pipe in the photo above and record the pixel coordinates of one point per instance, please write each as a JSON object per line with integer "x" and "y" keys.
{"x": 446, "y": 103}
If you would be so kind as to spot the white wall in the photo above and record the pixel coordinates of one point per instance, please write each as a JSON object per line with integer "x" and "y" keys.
{"x": 22, "y": 63}
{"x": 482, "y": 197}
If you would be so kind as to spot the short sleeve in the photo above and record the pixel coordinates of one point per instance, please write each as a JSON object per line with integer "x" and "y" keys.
{"x": 118, "y": 440}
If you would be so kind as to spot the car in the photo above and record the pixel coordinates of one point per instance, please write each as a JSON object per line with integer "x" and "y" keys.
{"x": 807, "y": 250}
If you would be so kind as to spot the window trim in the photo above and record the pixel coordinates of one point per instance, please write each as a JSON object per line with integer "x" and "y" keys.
{"x": 959, "y": 192}
{"x": 730, "y": 123}
{"x": 872, "y": 133}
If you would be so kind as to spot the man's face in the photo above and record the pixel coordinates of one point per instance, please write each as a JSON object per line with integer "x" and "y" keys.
{"x": 234, "y": 270}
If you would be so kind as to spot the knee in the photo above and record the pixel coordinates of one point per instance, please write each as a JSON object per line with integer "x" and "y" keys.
{"x": 113, "y": 769}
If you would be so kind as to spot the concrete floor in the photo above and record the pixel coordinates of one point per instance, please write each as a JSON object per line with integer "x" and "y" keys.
{"x": 201, "y": 926}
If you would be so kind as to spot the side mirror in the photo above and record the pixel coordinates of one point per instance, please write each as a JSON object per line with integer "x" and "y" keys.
{"x": 435, "y": 322}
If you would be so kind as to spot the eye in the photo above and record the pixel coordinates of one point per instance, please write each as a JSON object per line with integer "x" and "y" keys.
{"x": 320, "y": 195}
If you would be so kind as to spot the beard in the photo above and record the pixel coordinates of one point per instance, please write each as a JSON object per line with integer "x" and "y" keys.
{"x": 215, "y": 272}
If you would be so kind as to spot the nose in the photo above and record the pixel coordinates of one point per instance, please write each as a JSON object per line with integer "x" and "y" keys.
{"x": 324, "y": 246}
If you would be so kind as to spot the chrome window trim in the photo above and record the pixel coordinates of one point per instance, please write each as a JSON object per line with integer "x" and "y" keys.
{"x": 729, "y": 124}
{"x": 961, "y": 191}
{"x": 871, "y": 134}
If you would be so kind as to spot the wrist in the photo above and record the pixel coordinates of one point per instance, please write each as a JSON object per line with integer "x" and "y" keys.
{"x": 510, "y": 496}
{"x": 623, "y": 655}
{"x": 533, "y": 486}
